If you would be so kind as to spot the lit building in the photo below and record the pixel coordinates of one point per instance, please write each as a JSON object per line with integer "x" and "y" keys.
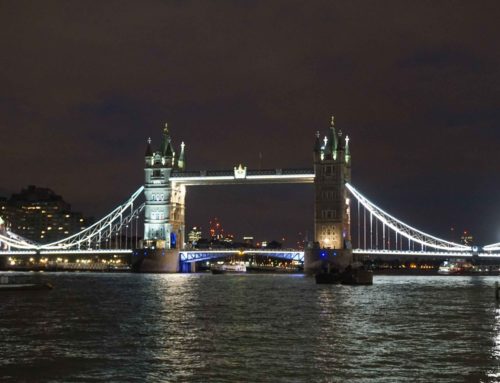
{"x": 216, "y": 229}
{"x": 467, "y": 238}
{"x": 248, "y": 240}
{"x": 194, "y": 235}
{"x": 41, "y": 215}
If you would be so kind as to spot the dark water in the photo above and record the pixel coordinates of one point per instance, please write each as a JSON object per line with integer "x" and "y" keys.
{"x": 250, "y": 328}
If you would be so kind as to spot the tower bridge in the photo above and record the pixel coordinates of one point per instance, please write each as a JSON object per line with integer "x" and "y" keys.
{"x": 339, "y": 210}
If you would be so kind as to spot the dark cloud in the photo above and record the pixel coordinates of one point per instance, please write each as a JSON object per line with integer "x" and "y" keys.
{"x": 415, "y": 84}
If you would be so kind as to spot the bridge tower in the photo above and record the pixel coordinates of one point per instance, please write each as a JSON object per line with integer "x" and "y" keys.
{"x": 164, "y": 222}
{"x": 332, "y": 217}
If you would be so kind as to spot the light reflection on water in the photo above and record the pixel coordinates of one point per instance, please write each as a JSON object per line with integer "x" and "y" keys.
{"x": 259, "y": 328}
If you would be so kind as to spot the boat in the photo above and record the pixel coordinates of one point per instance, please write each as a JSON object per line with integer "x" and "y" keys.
{"x": 234, "y": 268}
{"x": 453, "y": 268}
{"x": 272, "y": 269}
{"x": 25, "y": 286}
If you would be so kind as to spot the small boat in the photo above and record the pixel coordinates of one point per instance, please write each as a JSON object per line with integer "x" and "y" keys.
{"x": 457, "y": 267}
{"x": 25, "y": 286}
{"x": 272, "y": 269}
{"x": 223, "y": 269}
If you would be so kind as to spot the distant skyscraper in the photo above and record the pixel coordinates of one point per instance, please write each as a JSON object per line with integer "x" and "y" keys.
{"x": 194, "y": 235}
{"x": 467, "y": 238}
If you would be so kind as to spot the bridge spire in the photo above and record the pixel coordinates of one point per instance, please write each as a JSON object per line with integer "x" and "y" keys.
{"x": 340, "y": 141}
{"x": 181, "y": 163}
{"x": 333, "y": 138}
{"x": 149, "y": 151}
{"x": 317, "y": 144}
{"x": 347, "y": 152}
{"x": 166, "y": 145}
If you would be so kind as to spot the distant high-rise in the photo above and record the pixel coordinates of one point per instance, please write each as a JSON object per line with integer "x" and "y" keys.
{"x": 41, "y": 215}
{"x": 467, "y": 238}
{"x": 194, "y": 235}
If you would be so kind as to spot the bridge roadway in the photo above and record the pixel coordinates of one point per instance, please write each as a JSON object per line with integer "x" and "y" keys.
{"x": 243, "y": 176}
{"x": 204, "y": 255}
{"x": 190, "y": 256}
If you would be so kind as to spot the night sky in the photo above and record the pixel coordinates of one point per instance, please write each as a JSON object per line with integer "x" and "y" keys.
{"x": 416, "y": 85}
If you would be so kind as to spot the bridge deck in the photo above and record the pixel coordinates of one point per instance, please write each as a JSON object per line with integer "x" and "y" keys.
{"x": 243, "y": 176}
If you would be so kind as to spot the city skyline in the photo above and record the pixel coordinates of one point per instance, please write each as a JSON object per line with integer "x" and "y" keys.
{"x": 83, "y": 93}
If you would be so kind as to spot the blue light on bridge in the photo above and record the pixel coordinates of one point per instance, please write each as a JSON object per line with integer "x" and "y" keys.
{"x": 173, "y": 240}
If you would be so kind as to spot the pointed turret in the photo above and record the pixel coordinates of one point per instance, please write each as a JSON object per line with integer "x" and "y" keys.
{"x": 332, "y": 137}
{"x": 166, "y": 145}
{"x": 181, "y": 163}
{"x": 347, "y": 152}
{"x": 317, "y": 144}
{"x": 149, "y": 151}
{"x": 168, "y": 152}
{"x": 340, "y": 141}
{"x": 326, "y": 151}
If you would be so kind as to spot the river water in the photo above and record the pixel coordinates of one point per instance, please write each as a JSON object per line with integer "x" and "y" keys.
{"x": 250, "y": 328}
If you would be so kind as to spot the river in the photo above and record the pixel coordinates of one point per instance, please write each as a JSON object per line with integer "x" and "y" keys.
{"x": 96, "y": 327}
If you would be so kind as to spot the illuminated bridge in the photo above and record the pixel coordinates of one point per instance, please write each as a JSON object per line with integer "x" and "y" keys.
{"x": 346, "y": 223}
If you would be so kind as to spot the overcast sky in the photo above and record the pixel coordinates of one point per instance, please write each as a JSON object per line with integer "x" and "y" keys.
{"x": 416, "y": 85}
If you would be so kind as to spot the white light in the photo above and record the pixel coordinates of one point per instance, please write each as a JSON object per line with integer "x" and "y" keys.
{"x": 381, "y": 215}
{"x": 208, "y": 180}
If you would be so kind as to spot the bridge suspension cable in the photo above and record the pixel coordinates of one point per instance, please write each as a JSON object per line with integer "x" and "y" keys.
{"x": 492, "y": 247}
{"x": 13, "y": 240}
{"x": 395, "y": 234}
{"x": 95, "y": 235}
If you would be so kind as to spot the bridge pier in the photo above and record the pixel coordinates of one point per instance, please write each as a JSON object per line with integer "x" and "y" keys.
{"x": 318, "y": 260}
{"x": 156, "y": 261}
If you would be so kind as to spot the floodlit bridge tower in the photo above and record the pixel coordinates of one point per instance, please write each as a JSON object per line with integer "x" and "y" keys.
{"x": 164, "y": 224}
{"x": 332, "y": 216}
